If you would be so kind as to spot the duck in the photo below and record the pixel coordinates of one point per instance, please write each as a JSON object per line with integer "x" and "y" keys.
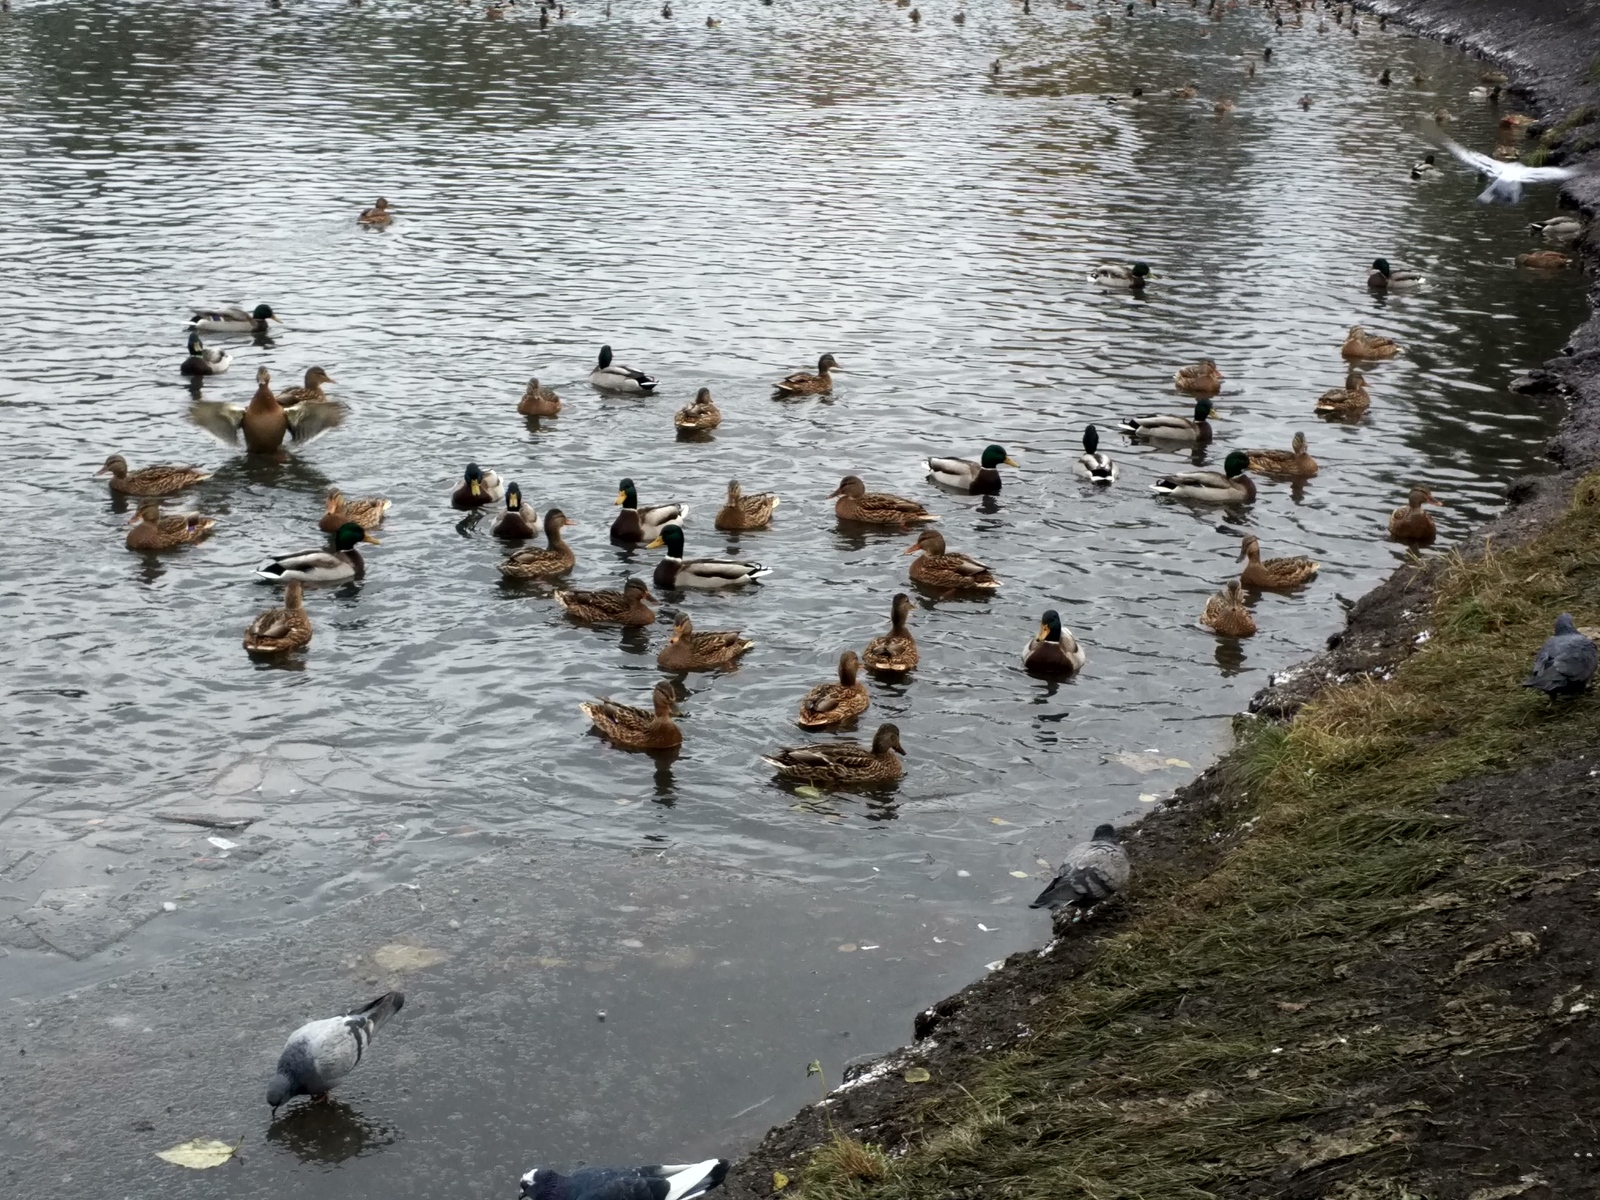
{"x": 155, "y": 530}
{"x": 1053, "y": 650}
{"x": 233, "y": 319}
{"x": 629, "y": 728}
{"x": 367, "y": 512}
{"x": 1226, "y": 615}
{"x": 554, "y": 558}
{"x": 1273, "y": 574}
{"x": 804, "y": 383}
{"x": 376, "y": 216}
{"x": 280, "y": 630}
{"x": 1092, "y": 464}
{"x": 518, "y": 522}
{"x": 745, "y": 512}
{"x": 1166, "y": 427}
{"x": 981, "y": 478}
{"x": 1229, "y": 486}
{"x": 613, "y": 377}
{"x": 626, "y": 607}
{"x": 1563, "y": 228}
{"x": 855, "y": 503}
{"x": 477, "y": 488}
{"x": 1410, "y": 523}
{"x": 1424, "y": 167}
{"x": 894, "y": 652}
{"x": 842, "y": 764}
{"x": 635, "y": 524}
{"x": 1481, "y": 92}
{"x": 264, "y": 422}
{"x": 1351, "y": 400}
{"x": 937, "y": 567}
{"x": 310, "y": 391}
{"x": 1187, "y": 92}
{"x": 1359, "y": 344}
{"x": 1305, "y": 102}
{"x": 538, "y": 400}
{"x": 687, "y": 650}
{"x": 202, "y": 361}
{"x": 674, "y": 571}
{"x": 339, "y": 565}
{"x": 163, "y": 479}
{"x": 701, "y": 414}
{"x": 1121, "y": 275}
{"x": 1198, "y": 379}
{"x": 1544, "y": 260}
{"x": 830, "y": 704}
{"x": 1223, "y": 106}
{"x": 1293, "y": 463}
{"x": 1386, "y": 276}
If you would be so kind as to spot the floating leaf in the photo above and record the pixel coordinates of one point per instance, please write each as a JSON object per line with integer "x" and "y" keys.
{"x": 810, "y": 793}
{"x": 998, "y": 821}
{"x": 814, "y": 1067}
{"x": 397, "y": 956}
{"x": 1019, "y": 874}
{"x": 779, "y": 1181}
{"x": 917, "y": 1075}
{"x": 200, "y": 1153}
{"x": 848, "y": 947}
{"x": 1148, "y": 797}
{"x": 1178, "y": 762}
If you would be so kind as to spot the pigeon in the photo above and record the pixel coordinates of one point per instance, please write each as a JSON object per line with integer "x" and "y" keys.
{"x": 682, "y": 1182}
{"x": 1505, "y": 178}
{"x": 1091, "y": 872}
{"x": 320, "y": 1053}
{"x": 1565, "y": 663}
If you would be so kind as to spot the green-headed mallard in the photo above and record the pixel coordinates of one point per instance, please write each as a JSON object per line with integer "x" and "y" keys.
{"x": 1294, "y": 463}
{"x": 310, "y": 390}
{"x": 1092, "y": 464}
{"x": 538, "y": 401}
{"x": 686, "y": 650}
{"x": 1273, "y": 574}
{"x": 161, "y": 480}
{"x": 1386, "y": 276}
{"x": 626, "y": 607}
{"x": 700, "y": 414}
{"x": 937, "y": 567}
{"x": 339, "y": 565}
{"x": 1349, "y": 401}
{"x": 1168, "y": 427}
{"x": 1561, "y": 228}
{"x": 675, "y": 571}
{"x": 894, "y": 652}
{"x": 1424, "y": 167}
{"x": 804, "y": 383}
{"x": 1226, "y": 615}
{"x": 1411, "y": 523}
{"x": 1359, "y": 344}
{"x": 554, "y": 558}
{"x": 367, "y": 512}
{"x": 981, "y": 478}
{"x": 232, "y": 319}
{"x": 1120, "y": 275}
{"x": 630, "y": 728}
{"x": 635, "y": 524}
{"x": 264, "y": 422}
{"x": 477, "y": 488}
{"x": 1229, "y": 486}
{"x": 518, "y": 522}
{"x": 745, "y": 512}
{"x": 855, "y": 503}
{"x": 835, "y": 703}
{"x": 201, "y": 361}
{"x": 377, "y": 216}
{"x": 842, "y": 764}
{"x": 1053, "y": 650}
{"x": 281, "y": 630}
{"x": 1198, "y": 379}
{"x": 155, "y": 530}
{"x": 611, "y": 376}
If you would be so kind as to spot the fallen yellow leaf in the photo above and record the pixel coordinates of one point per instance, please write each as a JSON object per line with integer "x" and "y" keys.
{"x": 998, "y": 821}
{"x": 917, "y": 1075}
{"x": 1019, "y": 874}
{"x": 779, "y": 1181}
{"x": 1176, "y": 762}
{"x": 200, "y": 1153}
{"x": 848, "y": 947}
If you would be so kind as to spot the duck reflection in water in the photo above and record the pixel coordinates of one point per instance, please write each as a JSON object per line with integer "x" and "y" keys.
{"x": 329, "y": 1133}
{"x": 1230, "y": 657}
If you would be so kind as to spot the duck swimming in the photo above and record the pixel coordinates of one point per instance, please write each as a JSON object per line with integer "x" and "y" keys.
{"x": 715, "y": 650}
{"x": 630, "y": 728}
{"x": 842, "y": 764}
{"x": 1273, "y": 574}
{"x": 377, "y": 216}
{"x": 1092, "y": 464}
{"x": 1411, "y": 523}
{"x": 1386, "y": 276}
{"x": 1230, "y": 486}
{"x": 1053, "y": 650}
{"x": 938, "y": 567}
{"x": 518, "y": 522}
{"x": 1293, "y": 463}
{"x": 161, "y": 480}
{"x": 367, "y": 512}
{"x": 339, "y": 565}
{"x": 1120, "y": 275}
{"x": 626, "y": 607}
{"x": 635, "y": 524}
{"x": 981, "y": 478}
{"x": 1165, "y": 427}
{"x": 1226, "y": 615}
{"x": 233, "y": 320}
{"x": 804, "y": 383}
{"x": 539, "y": 401}
{"x": 745, "y": 512}
{"x": 477, "y": 488}
{"x": 894, "y": 652}
{"x": 830, "y": 704}
{"x": 154, "y": 530}
{"x": 1198, "y": 379}
{"x": 555, "y": 558}
{"x": 675, "y": 571}
{"x": 280, "y": 630}
{"x": 202, "y": 361}
{"x": 613, "y": 377}
{"x": 855, "y": 503}
{"x": 699, "y": 415}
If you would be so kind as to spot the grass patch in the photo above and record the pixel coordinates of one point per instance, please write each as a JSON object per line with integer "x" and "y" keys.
{"x": 1552, "y": 137}
{"x": 841, "y": 1166}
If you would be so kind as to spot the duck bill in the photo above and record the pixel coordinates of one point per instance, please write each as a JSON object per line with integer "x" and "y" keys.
{"x": 370, "y": 540}
{"x": 1009, "y": 461}
{"x": 1436, "y": 503}
{"x": 1044, "y": 633}
{"x": 622, "y": 498}
{"x": 652, "y": 546}
{"x": 911, "y": 549}
{"x": 472, "y": 486}
{"x": 829, "y": 496}
{"x": 100, "y": 472}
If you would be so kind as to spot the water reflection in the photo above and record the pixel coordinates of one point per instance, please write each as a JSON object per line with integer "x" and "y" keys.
{"x": 329, "y": 1132}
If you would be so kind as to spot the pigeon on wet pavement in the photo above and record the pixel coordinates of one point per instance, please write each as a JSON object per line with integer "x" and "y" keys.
{"x": 320, "y": 1053}
{"x": 1565, "y": 663}
{"x": 683, "y": 1182}
{"x": 1091, "y": 872}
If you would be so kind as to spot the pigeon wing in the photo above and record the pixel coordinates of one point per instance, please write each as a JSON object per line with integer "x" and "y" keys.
{"x": 607, "y": 1183}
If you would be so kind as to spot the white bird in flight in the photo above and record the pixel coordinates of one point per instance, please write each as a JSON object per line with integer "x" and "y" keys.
{"x": 1505, "y": 178}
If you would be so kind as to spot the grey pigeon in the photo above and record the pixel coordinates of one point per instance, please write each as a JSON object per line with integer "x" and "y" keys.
{"x": 320, "y": 1053}
{"x": 1091, "y": 872}
{"x": 1565, "y": 663}
{"x": 682, "y": 1182}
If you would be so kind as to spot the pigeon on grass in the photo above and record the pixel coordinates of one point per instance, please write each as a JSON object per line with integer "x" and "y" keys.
{"x": 1091, "y": 872}
{"x": 682, "y": 1182}
{"x": 1565, "y": 663}
{"x": 320, "y": 1053}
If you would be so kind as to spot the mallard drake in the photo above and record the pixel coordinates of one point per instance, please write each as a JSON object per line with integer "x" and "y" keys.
{"x": 630, "y": 728}
{"x": 855, "y": 503}
{"x": 1187, "y": 92}
{"x": 1424, "y": 167}
{"x": 1273, "y": 574}
{"x": 233, "y": 319}
{"x": 1386, "y": 276}
{"x": 1198, "y": 379}
{"x": 980, "y": 478}
{"x": 1490, "y": 94}
{"x": 264, "y": 422}
{"x": 635, "y": 524}
{"x": 674, "y": 571}
{"x": 1563, "y": 228}
{"x": 937, "y": 567}
{"x": 339, "y": 565}
{"x": 518, "y": 522}
{"x": 1410, "y": 523}
{"x": 377, "y": 215}
{"x": 538, "y": 401}
{"x": 745, "y": 512}
{"x": 1092, "y": 464}
{"x": 1168, "y": 427}
{"x": 626, "y": 607}
{"x": 155, "y": 530}
{"x": 687, "y": 650}
{"x": 1120, "y": 275}
{"x": 1349, "y": 401}
{"x": 804, "y": 383}
{"x": 477, "y": 488}
{"x": 1544, "y": 260}
{"x": 555, "y": 558}
{"x": 1359, "y": 344}
{"x": 1226, "y": 615}
{"x": 613, "y": 377}
{"x": 830, "y": 704}
{"x": 202, "y": 361}
{"x": 310, "y": 391}
{"x": 1294, "y": 463}
{"x": 1053, "y": 650}
{"x": 161, "y": 480}
{"x": 894, "y": 652}
{"x": 1229, "y": 486}
{"x": 701, "y": 414}
{"x": 366, "y": 512}
{"x": 842, "y": 764}
{"x": 281, "y": 630}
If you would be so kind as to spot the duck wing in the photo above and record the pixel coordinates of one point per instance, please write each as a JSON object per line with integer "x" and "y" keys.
{"x": 962, "y": 468}
{"x": 721, "y": 569}
{"x": 221, "y": 420}
{"x": 312, "y": 418}
{"x": 963, "y": 564}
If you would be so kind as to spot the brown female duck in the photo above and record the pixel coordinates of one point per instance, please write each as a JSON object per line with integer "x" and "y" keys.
{"x": 700, "y": 415}
{"x": 687, "y": 650}
{"x": 937, "y": 567}
{"x": 745, "y": 512}
{"x": 630, "y": 728}
{"x": 161, "y": 480}
{"x": 626, "y": 607}
{"x": 1226, "y": 615}
{"x": 518, "y": 522}
{"x": 1361, "y": 345}
{"x": 280, "y": 630}
{"x": 1293, "y": 463}
{"x": 894, "y": 652}
{"x": 804, "y": 383}
{"x": 835, "y": 703}
{"x": 555, "y": 558}
{"x": 842, "y": 764}
{"x": 539, "y": 401}
{"x": 264, "y": 422}
{"x": 377, "y": 216}
{"x": 1198, "y": 379}
{"x": 1411, "y": 523}
{"x": 366, "y": 512}
{"x": 1273, "y": 574}
{"x": 153, "y": 530}
{"x": 311, "y": 390}
{"x": 855, "y": 503}
{"x": 1349, "y": 401}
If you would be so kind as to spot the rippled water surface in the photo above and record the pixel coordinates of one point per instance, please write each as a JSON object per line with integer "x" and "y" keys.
{"x": 721, "y": 205}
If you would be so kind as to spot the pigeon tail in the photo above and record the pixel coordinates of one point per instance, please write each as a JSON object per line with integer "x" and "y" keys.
{"x": 380, "y": 1010}
{"x": 695, "y": 1179}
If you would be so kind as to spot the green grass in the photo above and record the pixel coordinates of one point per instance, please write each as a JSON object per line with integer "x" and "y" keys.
{"x": 1552, "y": 137}
{"x": 1181, "y": 1060}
